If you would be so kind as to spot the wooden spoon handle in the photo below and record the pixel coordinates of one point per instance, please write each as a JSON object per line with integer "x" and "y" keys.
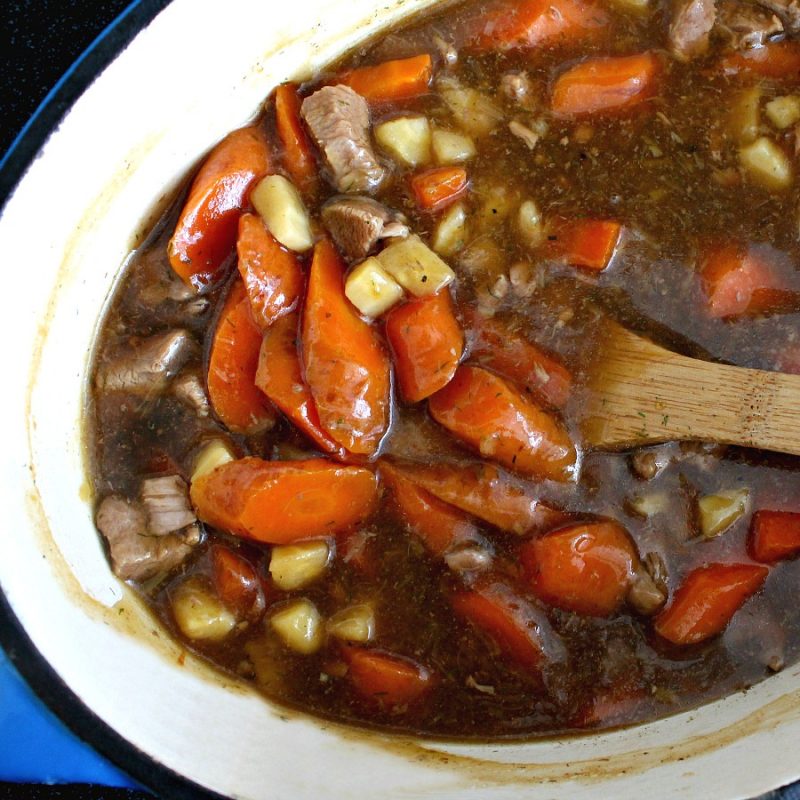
{"x": 645, "y": 394}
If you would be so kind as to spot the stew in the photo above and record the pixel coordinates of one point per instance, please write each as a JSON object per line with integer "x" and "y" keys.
{"x": 332, "y": 414}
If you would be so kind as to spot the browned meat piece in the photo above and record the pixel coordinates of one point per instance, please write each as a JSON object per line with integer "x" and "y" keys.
{"x": 690, "y": 27}
{"x": 166, "y": 502}
{"x": 147, "y": 366}
{"x": 473, "y": 557}
{"x": 338, "y": 119}
{"x": 787, "y": 10}
{"x": 517, "y": 86}
{"x": 134, "y": 555}
{"x": 648, "y": 590}
{"x": 744, "y": 24}
{"x": 356, "y": 224}
{"x": 188, "y": 388}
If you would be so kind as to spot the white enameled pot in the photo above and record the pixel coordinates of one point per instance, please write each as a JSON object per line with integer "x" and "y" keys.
{"x": 199, "y": 69}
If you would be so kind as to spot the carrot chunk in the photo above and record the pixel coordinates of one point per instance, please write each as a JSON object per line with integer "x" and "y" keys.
{"x": 774, "y": 535}
{"x": 437, "y": 524}
{"x": 388, "y": 680}
{"x": 605, "y": 84}
{"x": 780, "y": 60}
{"x": 237, "y": 583}
{"x": 346, "y": 367}
{"x": 586, "y": 568}
{"x": 588, "y": 243}
{"x": 485, "y": 492}
{"x": 427, "y": 343}
{"x": 518, "y": 627}
{"x": 392, "y": 80}
{"x": 298, "y": 152}
{"x": 271, "y": 274}
{"x": 489, "y": 415}
{"x": 437, "y": 188}
{"x": 707, "y": 600}
{"x": 206, "y": 231}
{"x": 284, "y": 501}
{"x": 739, "y": 280}
{"x": 280, "y": 377}
{"x": 232, "y": 365}
{"x": 530, "y": 23}
{"x": 503, "y": 350}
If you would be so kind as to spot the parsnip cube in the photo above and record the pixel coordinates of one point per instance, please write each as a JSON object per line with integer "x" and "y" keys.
{"x": 783, "y": 112}
{"x": 371, "y": 289}
{"x": 649, "y": 505}
{"x": 216, "y": 453}
{"x": 416, "y": 267}
{"x": 744, "y": 117}
{"x": 354, "y": 624}
{"x": 717, "y": 512}
{"x": 295, "y": 565}
{"x": 450, "y": 147}
{"x": 530, "y": 224}
{"x": 283, "y": 211}
{"x": 199, "y": 613}
{"x": 451, "y": 232}
{"x": 471, "y": 109}
{"x": 767, "y": 164}
{"x": 299, "y": 626}
{"x": 406, "y": 139}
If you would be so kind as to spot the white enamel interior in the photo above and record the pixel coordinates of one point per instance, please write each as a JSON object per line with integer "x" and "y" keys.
{"x": 198, "y": 70}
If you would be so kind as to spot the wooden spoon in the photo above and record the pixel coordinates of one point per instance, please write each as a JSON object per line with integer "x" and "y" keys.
{"x": 640, "y": 393}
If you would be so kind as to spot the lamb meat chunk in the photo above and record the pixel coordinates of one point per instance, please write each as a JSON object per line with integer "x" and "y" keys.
{"x": 148, "y": 365}
{"x": 518, "y": 87}
{"x": 135, "y": 555}
{"x": 338, "y": 119}
{"x": 166, "y": 502}
{"x": 188, "y": 388}
{"x": 357, "y": 223}
{"x": 690, "y": 27}
{"x": 745, "y": 25}
{"x": 787, "y": 10}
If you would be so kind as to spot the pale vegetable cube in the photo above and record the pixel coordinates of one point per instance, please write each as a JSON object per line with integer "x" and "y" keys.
{"x": 284, "y": 213}
{"x": 718, "y": 512}
{"x": 371, "y": 289}
{"x": 199, "y": 613}
{"x": 406, "y": 139}
{"x": 354, "y": 624}
{"x": 416, "y": 267}
{"x": 497, "y": 202}
{"x": 451, "y": 232}
{"x": 783, "y": 112}
{"x": 744, "y": 116}
{"x": 649, "y": 505}
{"x": 635, "y": 6}
{"x": 450, "y": 147}
{"x": 471, "y": 109}
{"x": 295, "y": 565}
{"x": 767, "y": 164}
{"x": 299, "y": 626}
{"x": 216, "y": 453}
{"x": 530, "y": 224}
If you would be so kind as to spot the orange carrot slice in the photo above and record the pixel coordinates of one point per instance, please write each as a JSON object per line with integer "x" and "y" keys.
{"x": 774, "y": 535}
{"x": 272, "y": 275}
{"x": 388, "y": 680}
{"x": 587, "y": 243}
{"x": 232, "y": 365}
{"x": 392, "y": 80}
{"x": 284, "y": 501}
{"x": 503, "y": 350}
{"x": 707, "y": 600}
{"x": 438, "y": 525}
{"x": 605, "y": 84}
{"x": 427, "y": 343}
{"x": 437, "y": 188}
{"x": 237, "y": 583}
{"x": 206, "y": 231}
{"x": 346, "y": 367}
{"x": 298, "y": 151}
{"x": 485, "y": 492}
{"x": 280, "y": 377}
{"x": 586, "y": 568}
{"x": 779, "y": 60}
{"x": 490, "y": 416}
